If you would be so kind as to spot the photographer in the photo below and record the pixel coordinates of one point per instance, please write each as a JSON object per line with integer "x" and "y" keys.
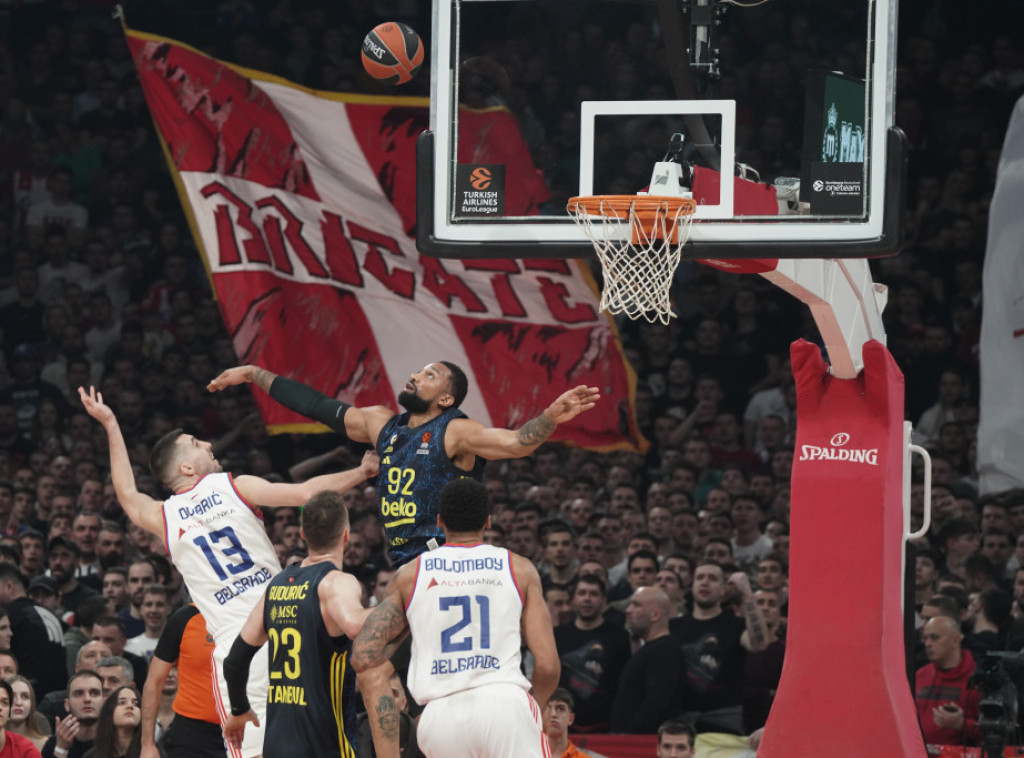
{"x": 946, "y": 707}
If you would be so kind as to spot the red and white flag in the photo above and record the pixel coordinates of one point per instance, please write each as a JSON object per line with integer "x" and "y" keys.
{"x": 303, "y": 203}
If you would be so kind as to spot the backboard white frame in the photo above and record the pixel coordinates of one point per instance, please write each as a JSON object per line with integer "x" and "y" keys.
{"x": 879, "y": 96}
{"x": 726, "y": 109}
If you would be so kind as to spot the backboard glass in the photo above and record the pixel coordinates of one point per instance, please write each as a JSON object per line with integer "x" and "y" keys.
{"x": 536, "y": 101}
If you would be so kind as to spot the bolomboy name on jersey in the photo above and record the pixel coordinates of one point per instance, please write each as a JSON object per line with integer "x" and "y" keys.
{"x": 211, "y": 501}
{"x": 463, "y": 565}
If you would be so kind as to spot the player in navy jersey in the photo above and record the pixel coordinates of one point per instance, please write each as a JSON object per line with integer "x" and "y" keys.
{"x": 310, "y": 613}
{"x": 420, "y": 450}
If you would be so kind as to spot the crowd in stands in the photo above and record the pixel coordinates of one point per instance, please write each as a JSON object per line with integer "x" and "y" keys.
{"x": 644, "y": 556}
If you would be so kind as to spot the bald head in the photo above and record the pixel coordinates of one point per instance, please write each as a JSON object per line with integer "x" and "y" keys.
{"x": 942, "y": 639}
{"x": 648, "y": 613}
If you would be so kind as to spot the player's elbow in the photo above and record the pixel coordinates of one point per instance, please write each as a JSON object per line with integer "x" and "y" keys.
{"x": 547, "y": 668}
{"x": 362, "y": 659}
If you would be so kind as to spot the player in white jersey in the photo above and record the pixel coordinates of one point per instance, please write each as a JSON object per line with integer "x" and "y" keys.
{"x": 214, "y": 534}
{"x": 469, "y": 606}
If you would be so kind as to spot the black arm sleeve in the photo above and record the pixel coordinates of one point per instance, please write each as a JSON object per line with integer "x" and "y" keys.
{"x": 310, "y": 403}
{"x": 236, "y": 674}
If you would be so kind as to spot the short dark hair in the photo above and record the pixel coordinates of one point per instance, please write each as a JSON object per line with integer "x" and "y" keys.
{"x": 955, "y": 527}
{"x": 464, "y": 505}
{"x": 324, "y": 519}
{"x": 678, "y": 726}
{"x": 948, "y": 606}
{"x": 84, "y": 673}
{"x": 562, "y": 695}
{"x": 458, "y": 384}
{"x": 646, "y": 555}
{"x": 10, "y": 692}
{"x": 91, "y": 608}
{"x": 110, "y": 621}
{"x": 162, "y": 457}
{"x": 10, "y": 573}
{"x": 997, "y": 606}
{"x": 593, "y": 580}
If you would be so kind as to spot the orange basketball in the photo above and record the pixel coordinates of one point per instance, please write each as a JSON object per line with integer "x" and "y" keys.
{"x": 392, "y": 52}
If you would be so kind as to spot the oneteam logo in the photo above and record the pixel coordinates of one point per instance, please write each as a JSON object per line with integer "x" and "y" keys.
{"x": 818, "y": 185}
{"x": 837, "y": 451}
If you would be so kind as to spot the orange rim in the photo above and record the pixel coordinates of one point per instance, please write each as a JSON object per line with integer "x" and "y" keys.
{"x": 648, "y": 210}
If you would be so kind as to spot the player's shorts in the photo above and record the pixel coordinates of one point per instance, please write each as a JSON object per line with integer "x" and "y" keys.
{"x": 259, "y": 684}
{"x": 192, "y": 738}
{"x": 494, "y": 721}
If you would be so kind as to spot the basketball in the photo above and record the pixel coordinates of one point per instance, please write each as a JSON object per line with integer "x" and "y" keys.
{"x": 392, "y": 53}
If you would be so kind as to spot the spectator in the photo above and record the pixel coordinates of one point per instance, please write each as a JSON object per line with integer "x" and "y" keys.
{"x": 713, "y": 641}
{"x": 649, "y": 687}
{"x": 24, "y": 718}
{"x": 560, "y": 564}
{"x": 73, "y": 737}
{"x": 38, "y": 639}
{"x": 676, "y": 739}
{"x": 141, "y": 574}
{"x": 117, "y": 731}
{"x": 592, "y": 651}
{"x": 64, "y": 554}
{"x": 115, "y": 672}
{"x": 749, "y": 544}
{"x": 89, "y": 611}
{"x": 946, "y": 706}
{"x": 559, "y": 717}
{"x": 762, "y": 670}
{"x": 556, "y": 596}
{"x": 115, "y": 587}
{"x": 52, "y": 705}
{"x": 155, "y": 609}
{"x": 14, "y": 744}
{"x": 110, "y": 631}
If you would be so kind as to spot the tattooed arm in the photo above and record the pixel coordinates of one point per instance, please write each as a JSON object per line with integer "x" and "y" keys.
{"x": 383, "y": 714}
{"x": 386, "y": 625}
{"x": 467, "y": 437}
{"x": 755, "y": 637}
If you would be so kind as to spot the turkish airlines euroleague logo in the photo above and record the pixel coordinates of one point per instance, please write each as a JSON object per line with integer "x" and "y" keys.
{"x": 480, "y": 189}
{"x": 480, "y": 179}
{"x": 837, "y": 450}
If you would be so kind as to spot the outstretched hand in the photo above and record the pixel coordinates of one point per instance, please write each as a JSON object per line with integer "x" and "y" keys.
{"x": 230, "y": 377}
{"x": 94, "y": 405}
{"x": 572, "y": 403}
{"x": 234, "y": 727}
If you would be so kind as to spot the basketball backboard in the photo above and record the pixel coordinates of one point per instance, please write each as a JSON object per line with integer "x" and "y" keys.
{"x": 536, "y": 101}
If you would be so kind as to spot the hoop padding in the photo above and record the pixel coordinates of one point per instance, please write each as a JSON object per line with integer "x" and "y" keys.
{"x": 638, "y": 264}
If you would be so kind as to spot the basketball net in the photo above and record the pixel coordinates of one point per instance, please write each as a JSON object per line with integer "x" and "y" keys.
{"x": 638, "y": 240}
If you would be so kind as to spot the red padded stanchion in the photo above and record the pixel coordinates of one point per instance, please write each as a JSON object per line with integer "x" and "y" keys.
{"x": 844, "y": 686}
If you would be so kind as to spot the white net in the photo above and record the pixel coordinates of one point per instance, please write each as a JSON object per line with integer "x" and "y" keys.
{"x": 638, "y": 241}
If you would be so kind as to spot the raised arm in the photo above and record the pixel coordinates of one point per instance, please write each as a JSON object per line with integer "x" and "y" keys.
{"x": 755, "y": 636}
{"x": 143, "y": 510}
{"x": 471, "y": 437}
{"x": 277, "y": 494}
{"x": 538, "y": 632}
{"x": 359, "y": 424}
